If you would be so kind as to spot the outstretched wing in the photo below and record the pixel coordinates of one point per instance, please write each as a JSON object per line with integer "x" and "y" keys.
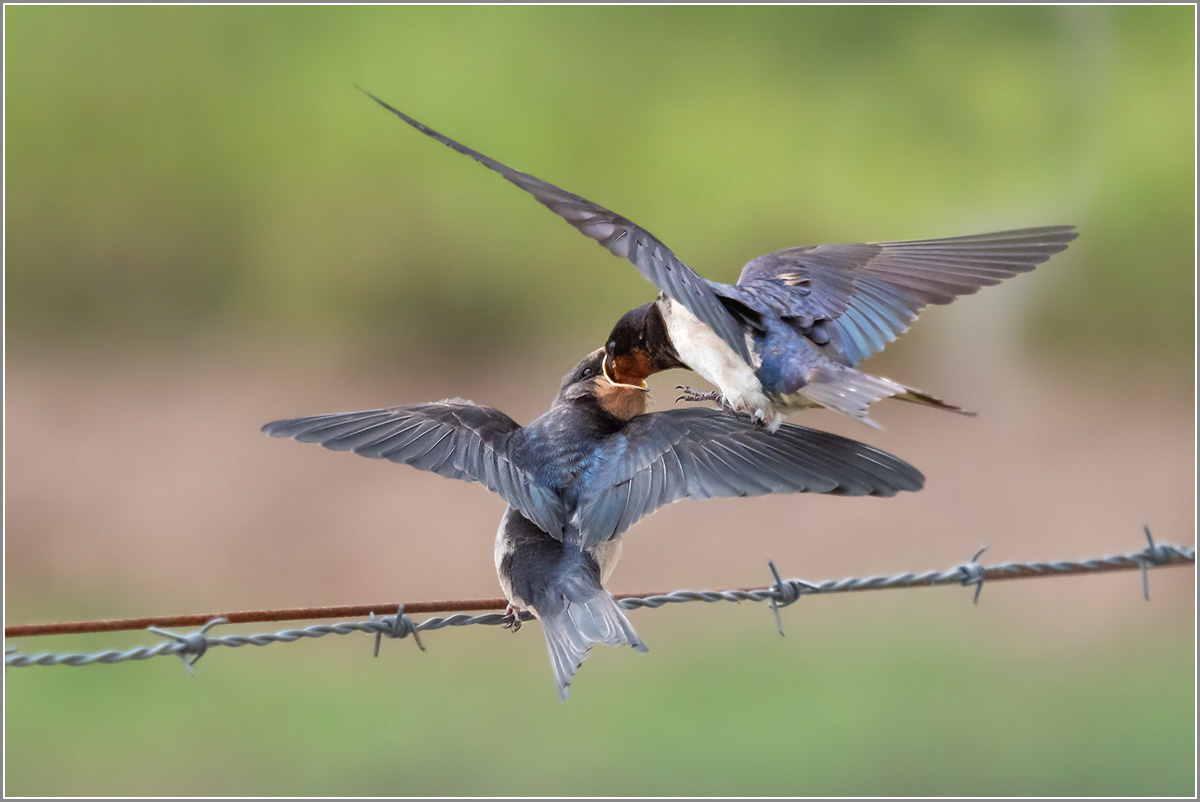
{"x": 619, "y": 235}
{"x": 703, "y": 453}
{"x": 871, "y": 292}
{"x": 453, "y": 438}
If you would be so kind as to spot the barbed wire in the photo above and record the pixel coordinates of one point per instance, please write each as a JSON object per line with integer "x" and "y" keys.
{"x": 190, "y": 647}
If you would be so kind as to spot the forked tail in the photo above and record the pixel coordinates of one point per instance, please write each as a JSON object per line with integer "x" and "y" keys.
{"x": 572, "y": 630}
{"x": 914, "y": 396}
{"x": 852, "y": 392}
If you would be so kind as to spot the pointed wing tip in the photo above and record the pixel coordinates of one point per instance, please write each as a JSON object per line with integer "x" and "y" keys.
{"x": 1062, "y": 234}
{"x": 298, "y": 429}
{"x": 1051, "y": 239}
{"x": 278, "y": 428}
{"x": 420, "y": 126}
{"x": 371, "y": 95}
{"x": 385, "y": 105}
{"x": 915, "y": 479}
{"x": 900, "y": 484}
{"x": 907, "y": 477}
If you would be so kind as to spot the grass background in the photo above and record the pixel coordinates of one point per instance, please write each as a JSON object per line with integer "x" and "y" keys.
{"x": 931, "y": 704}
{"x": 181, "y": 170}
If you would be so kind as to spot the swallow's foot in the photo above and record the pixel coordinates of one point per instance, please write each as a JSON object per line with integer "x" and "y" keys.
{"x": 763, "y": 418}
{"x": 697, "y": 395}
{"x": 513, "y": 613}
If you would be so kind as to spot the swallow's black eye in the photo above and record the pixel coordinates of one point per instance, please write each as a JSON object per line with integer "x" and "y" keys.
{"x": 586, "y": 373}
{"x": 612, "y": 346}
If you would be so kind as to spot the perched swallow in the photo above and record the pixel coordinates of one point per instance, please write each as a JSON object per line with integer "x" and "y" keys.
{"x": 585, "y": 471}
{"x": 564, "y": 587}
{"x": 789, "y": 334}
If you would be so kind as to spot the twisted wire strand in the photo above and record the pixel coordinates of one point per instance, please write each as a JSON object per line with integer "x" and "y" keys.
{"x": 185, "y": 645}
{"x": 191, "y": 646}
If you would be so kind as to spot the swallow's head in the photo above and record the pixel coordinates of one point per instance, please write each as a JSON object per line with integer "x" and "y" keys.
{"x": 590, "y": 381}
{"x": 639, "y": 346}
{"x": 582, "y": 379}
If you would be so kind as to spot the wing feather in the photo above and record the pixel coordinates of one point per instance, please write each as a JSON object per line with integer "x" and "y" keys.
{"x": 703, "y": 453}
{"x": 453, "y": 438}
{"x": 872, "y": 292}
{"x": 619, "y": 235}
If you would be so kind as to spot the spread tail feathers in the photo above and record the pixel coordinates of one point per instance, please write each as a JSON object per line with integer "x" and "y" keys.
{"x": 852, "y": 392}
{"x": 571, "y": 632}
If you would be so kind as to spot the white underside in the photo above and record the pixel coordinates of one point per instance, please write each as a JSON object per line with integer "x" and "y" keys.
{"x": 503, "y": 547}
{"x": 703, "y": 351}
{"x": 607, "y": 554}
{"x": 844, "y": 390}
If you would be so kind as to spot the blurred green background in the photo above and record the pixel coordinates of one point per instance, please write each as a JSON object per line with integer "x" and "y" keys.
{"x": 182, "y": 170}
{"x": 208, "y": 226}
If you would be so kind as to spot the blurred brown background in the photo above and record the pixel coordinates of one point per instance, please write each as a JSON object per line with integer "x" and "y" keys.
{"x": 209, "y": 228}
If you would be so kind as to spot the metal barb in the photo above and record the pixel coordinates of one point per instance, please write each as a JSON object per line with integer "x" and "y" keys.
{"x": 779, "y": 592}
{"x": 1153, "y": 554}
{"x": 195, "y": 644}
{"x": 785, "y": 593}
{"x": 397, "y": 626}
{"x": 191, "y": 646}
{"x": 973, "y": 574}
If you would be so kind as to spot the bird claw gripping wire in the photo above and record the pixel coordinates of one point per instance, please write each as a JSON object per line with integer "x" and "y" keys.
{"x": 1153, "y": 554}
{"x": 785, "y": 593}
{"x": 195, "y": 644}
{"x": 973, "y": 574}
{"x": 396, "y": 626}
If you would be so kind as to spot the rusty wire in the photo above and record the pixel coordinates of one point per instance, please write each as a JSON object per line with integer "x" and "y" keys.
{"x": 191, "y": 646}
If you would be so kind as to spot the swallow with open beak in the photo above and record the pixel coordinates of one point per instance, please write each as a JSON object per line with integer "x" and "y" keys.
{"x": 585, "y": 471}
{"x": 790, "y": 333}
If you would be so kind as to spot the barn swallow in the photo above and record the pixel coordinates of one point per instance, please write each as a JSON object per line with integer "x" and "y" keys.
{"x": 790, "y": 332}
{"x": 585, "y": 471}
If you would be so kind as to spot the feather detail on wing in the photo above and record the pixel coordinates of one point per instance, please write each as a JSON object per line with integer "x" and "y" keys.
{"x": 702, "y": 453}
{"x": 619, "y": 235}
{"x": 872, "y": 292}
{"x": 453, "y": 438}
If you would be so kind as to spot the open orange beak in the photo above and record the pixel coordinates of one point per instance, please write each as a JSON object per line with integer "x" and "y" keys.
{"x": 609, "y": 366}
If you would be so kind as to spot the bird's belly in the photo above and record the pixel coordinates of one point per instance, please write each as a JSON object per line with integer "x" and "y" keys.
{"x": 504, "y": 548}
{"x": 606, "y": 554}
{"x": 703, "y": 351}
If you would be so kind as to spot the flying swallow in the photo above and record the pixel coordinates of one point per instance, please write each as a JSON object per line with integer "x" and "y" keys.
{"x": 790, "y": 332}
{"x": 585, "y": 471}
